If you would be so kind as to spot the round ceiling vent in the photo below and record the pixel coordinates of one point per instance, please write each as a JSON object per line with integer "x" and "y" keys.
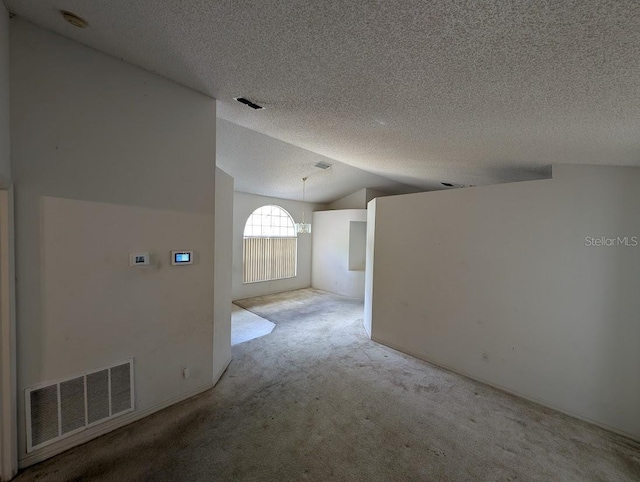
{"x": 74, "y": 19}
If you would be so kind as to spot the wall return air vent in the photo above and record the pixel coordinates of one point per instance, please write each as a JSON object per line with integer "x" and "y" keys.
{"x": 56, "y": 410}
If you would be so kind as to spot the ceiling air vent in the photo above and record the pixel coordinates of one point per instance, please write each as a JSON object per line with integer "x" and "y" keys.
{"x": 323, "y": 165}
{"x": 247, "y": 102}
{"x": 74, "y": 19}
{"x": 56, "y": 410}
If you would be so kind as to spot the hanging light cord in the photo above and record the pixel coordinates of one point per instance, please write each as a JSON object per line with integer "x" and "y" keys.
{"x": 304, "y": 181}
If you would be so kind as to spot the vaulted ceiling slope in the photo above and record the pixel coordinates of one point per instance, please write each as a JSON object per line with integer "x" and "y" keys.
{"x": 267, "y": 166}
{"x": 419, "y": 92}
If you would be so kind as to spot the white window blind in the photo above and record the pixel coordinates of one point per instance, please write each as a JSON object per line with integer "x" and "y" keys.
{"x": 269, "y": 245}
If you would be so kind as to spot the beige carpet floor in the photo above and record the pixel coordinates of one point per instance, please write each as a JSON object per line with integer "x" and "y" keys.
{"x": 317, "y": 400}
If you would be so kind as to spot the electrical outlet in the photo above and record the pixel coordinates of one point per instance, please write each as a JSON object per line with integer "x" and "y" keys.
{"x": 185, "y": 372}
{"x": 485, "y": 356}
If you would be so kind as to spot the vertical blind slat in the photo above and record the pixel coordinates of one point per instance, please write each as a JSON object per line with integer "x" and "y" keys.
{"x": 266, "y": 259}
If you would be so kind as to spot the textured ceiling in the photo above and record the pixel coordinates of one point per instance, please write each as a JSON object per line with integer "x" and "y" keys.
{"x": 417, "y": 91}
{"x": 264, "y": 165}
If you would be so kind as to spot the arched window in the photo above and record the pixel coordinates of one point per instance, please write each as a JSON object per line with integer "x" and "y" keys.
{"x": 269, "y": 245}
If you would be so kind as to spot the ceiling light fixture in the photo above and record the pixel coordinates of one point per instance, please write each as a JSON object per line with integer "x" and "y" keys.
{"x": 248, "y": 103}
{"x": 303, "y": 228}
{"x": 74, "y": 19}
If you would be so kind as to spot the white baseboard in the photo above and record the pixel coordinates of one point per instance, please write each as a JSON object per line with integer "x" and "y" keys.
{"x": 106, "y": 427}
{"x": 543, "y": 403}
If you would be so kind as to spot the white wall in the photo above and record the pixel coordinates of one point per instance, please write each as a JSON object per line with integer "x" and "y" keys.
{"x": 7, "y": 326}
{"x": 330, "y": 260}
{"x": 357, "y": 246}
{"x": 108, "y": 159}
{"x": 5, "y": 149}
{"x": 223, "y": 274}
{"x": 496, "y": 282}
{"x": 369, "y": 293}
{"x": 371, "y": 194}
{"x": 356, "y": 200}
{"x": 243, "y": 205}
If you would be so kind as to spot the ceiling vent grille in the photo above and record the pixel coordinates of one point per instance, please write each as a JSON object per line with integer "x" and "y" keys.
{"x": 323, "y": 165}
{"x": 56, "y": 410}
{"x": 248, "y": 103}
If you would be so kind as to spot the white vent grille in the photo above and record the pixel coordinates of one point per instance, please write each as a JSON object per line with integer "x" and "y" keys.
{"x": 323, "y": 165}
{"x": 58, "y": 409}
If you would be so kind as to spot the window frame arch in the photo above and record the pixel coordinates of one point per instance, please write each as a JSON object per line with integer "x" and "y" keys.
{"x": 269, "y": 245}
{"x": 273, "y": 225}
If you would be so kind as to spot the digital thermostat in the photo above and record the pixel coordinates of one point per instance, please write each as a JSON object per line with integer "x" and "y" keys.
{"x": 181, "y": 257}
{"x": 139, "y": 259}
